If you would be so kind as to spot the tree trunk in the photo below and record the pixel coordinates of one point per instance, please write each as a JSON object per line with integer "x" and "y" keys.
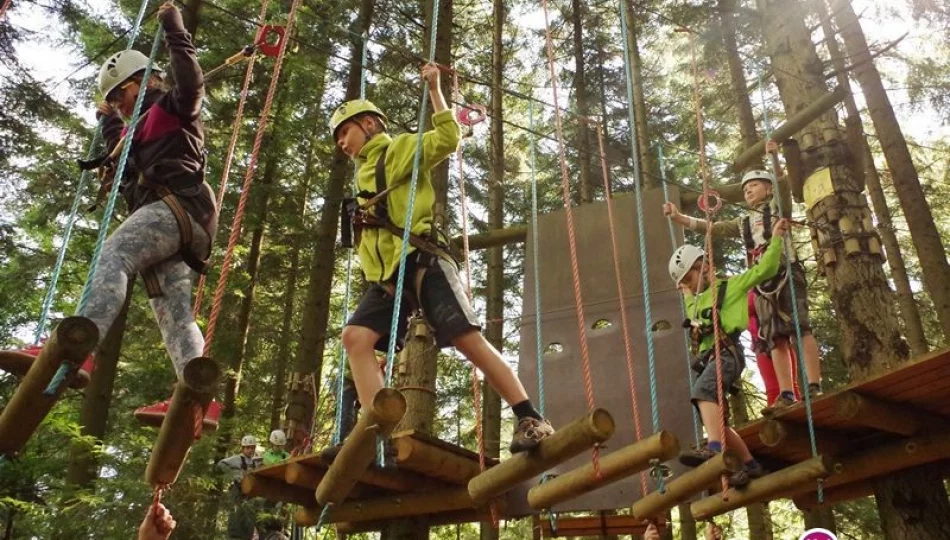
{"x": 583, "y": 108}
{"x": 913, "y": 327}
{"x": 760, "y": 521}
{"x": 191, "y": 16}
{"x": 920, "y": 221}
{"x": 687, "y": 523}
{"x": 287, "y": 319}
{"x": 820, "y": 518}
{"x": 495, "y": 286}
{"x": 870, "y": 338}
{"x": 647, "y": 168}
{"x": 727, "y": 18}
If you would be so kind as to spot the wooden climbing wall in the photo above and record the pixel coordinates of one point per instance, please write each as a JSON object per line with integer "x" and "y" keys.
{"x": 565, "y": 396}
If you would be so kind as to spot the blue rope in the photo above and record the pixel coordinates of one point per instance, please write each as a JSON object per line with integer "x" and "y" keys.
{"x": 324, "y": 515}
{"x": 404, "y": 249}
{"x": 641, "y": 226}
{"x": 686, "y": 341}
{"x": 337, "y": 434}
{"x": 534, "y": 253}
{"x": 791, "y": 284}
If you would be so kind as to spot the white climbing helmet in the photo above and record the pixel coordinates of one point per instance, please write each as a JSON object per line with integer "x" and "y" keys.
{"x": 682, "y": 260}
{"x": 758, "y": 174}
{"x": 248, "y": 440}
{"x": 119, "y": 67}
{"x": 278, "y": 438}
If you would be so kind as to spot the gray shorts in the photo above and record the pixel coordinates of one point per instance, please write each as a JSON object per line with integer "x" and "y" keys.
{"x": 776, "y": 315}
{"x": 705, "y": 386}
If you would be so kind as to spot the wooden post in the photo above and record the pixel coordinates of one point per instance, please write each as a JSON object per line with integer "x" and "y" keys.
{"x": 300, "y": 475}
{"x": 594, "y": 428}
{"x": 434, "y": 462}
{"x": 183, "y": 421}
{"x": 72, "y": 341}
{"x": 359, "y": 449}
{"x": 887, "y": 417}
{"x": 513, "y": 234}
{"x": 656, "y": 504}
{"x": 629, "y": 460}
{"x": 253, "y": 485}
{"x": 791, "y": 126}
{"x": 763, "y": 489}
{"x": 788, "y": 435}
{"x": 393, "y": 507}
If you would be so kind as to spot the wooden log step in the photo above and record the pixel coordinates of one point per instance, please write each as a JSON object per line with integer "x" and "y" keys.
{"x": 597, "y": 526}
{"x": 835, "y": 495}
{"x": 434, "y": 461}
{"x": 767, "y": 488}
{"x": 359, "y": 449}
{"x": 888, "y": 417}
{"x": 186, "y": 411}
{"x": 300, "y": 475}
{"x": 569, "y": 441}
{"x": 627, "y": 461}
{"x": 276, "y": 491}
{"x": 688, "y": 484}
{"x": 71, "y": 341}
{"x": 392, "y": 507}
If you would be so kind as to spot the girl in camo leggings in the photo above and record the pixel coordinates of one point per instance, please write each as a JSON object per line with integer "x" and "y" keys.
{"x": 167, "y": 237}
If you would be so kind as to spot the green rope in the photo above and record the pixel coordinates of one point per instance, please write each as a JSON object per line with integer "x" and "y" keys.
{"x": 404, "y": 249}
{"x": 697, "y": 432}
{"x": 641, "y": 229}
{"x": 803, "y": 375}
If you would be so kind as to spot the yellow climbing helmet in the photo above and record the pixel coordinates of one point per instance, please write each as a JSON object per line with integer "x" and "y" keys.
{"x": 351, "y": 109}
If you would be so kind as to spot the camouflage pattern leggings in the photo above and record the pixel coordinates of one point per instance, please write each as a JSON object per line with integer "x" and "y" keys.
{"x": 149, "y": 237}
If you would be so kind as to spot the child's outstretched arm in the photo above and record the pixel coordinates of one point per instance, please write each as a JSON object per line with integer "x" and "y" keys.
{"x": 443, "y": 139}
{"x": 769, "y": 263}
{"x": 189, "y": 79}
{"x": 720, "y": 228}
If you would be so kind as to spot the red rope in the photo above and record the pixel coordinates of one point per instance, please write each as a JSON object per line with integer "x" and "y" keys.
{"x": 572, "y": 240}
{"x": 235, "y": 131}
{"x": 627, "y": 344}
{"x": 3, "y": 8}
{"x": 708, "y": 258}
{"x": 466, "y": 254}
{"x": 246, "y": 188}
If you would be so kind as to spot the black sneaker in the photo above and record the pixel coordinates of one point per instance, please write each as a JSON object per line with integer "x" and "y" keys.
{"x": 529, "y": 433}
{"x": 741, "y": 479}
{"x": 695, "y": 457}
{"x": 814, "y": 390}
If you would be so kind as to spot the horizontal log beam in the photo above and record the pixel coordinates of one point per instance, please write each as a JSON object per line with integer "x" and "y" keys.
{"x": 513, "y": 234}
{"x": 276, "y": 491}
{"x": 888, "y": 417}
{"x": 622, "y": 463}
{"x": 569, "y": 441}
{"x": 790, "y": 127}
{"x": 763, "y": 489}
{"x": 190, "y": 400}
{"x": 795, "y": 437}
{"x": 434, "y": 462}
{"x": 433, "y": 520}
{"x": 300, "y": 475}
{"x": 688, "y": 484}
{"x": 600, "y": 526}
{"x": 72, "y": 341}
{"x": 359, "y": 449}
{"x": 392, "y": 507}
{"x": 833, "y": 496}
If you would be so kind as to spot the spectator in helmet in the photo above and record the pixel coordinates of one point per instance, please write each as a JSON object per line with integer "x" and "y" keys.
{"x": 242, "y": 515}
{"x": 276, "y": 451}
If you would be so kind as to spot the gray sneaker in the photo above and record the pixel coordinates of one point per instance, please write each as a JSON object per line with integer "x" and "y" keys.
{"x": 529, "y": 433}
{"x": 694, "y": 457}
{"x": 781, "y": 403}
{"x": 741, "y": 479}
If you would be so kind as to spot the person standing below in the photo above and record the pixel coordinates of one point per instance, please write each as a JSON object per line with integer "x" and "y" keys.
{"x": 242, "y": 518}
{"x": 431, "y": 276}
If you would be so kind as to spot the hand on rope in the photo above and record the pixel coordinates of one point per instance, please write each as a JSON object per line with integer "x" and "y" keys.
{"x": 158, "y": 523}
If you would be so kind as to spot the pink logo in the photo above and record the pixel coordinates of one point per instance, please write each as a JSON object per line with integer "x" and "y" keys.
{"x": 818, "y": 534}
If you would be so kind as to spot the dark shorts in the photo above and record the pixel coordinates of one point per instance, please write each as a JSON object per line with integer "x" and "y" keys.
{"x": 775, "y": 312}
{"x": 705, "y": 386}
{"x": 443, "y": 298}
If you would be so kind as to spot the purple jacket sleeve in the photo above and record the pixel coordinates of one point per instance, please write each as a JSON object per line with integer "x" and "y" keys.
{"x": 112, "y": 126}
{"x": 185, "y": 98}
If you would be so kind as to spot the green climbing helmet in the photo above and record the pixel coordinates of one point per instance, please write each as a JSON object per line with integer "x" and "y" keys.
{"x": 351, "y": 109}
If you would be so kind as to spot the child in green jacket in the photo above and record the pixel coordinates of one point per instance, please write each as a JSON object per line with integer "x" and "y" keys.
{"x": 431, "y": 277}
{"x": 687, "y": 270}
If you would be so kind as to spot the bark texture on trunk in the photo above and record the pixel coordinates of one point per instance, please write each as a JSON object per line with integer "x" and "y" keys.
{"x": 581, "y": 101}
{"x": 931, "y": 251}
{"x": 747, "y": 129}
{"x": 857, "y": 139}
{"x": 647, "y": 167}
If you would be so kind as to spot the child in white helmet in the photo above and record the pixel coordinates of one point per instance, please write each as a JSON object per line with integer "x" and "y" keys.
{"x": 773, "y": 300}
{"x": 242, "y": 516}
{"x": 432, "y": 280}
{"x": 687, "y": 269}
{"x": 277, "y": 452}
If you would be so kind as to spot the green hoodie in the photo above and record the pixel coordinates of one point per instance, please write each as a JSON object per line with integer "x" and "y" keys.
{"x": 379, "y": 249}
{"x": 735, "y": 306}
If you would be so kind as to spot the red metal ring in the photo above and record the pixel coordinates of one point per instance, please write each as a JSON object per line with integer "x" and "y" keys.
{"x": 705, "y": 199}
{"x": 263, "y": 39}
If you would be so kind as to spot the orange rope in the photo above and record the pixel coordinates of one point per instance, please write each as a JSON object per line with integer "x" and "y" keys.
{"x": 235, "y": 130}
{"x": 571, "y": 236}
{"x": 627, "y": 344}
{"x": 466, "y": 254}
{"x": 3, "y": 8}
{"x": 708, "y": 257}
{"x": 246, "y": 188}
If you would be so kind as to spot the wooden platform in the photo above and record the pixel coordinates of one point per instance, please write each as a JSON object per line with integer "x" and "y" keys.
{"x": 444, "y": 466}
{"x": 890, "y": 422}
